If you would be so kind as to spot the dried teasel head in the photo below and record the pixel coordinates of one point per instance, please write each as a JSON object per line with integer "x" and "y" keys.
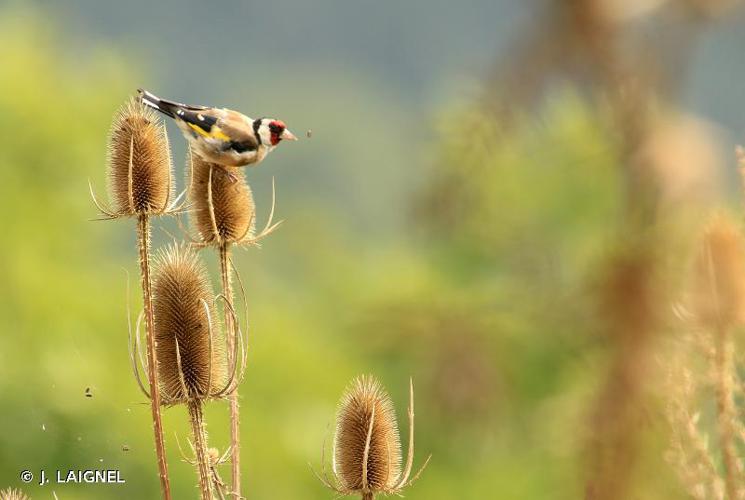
{"x": 366, "y": 409}
{"x": 367, "y": 447}
{"x": 191, "y": 357}
{"x": 12, "y": 494}
{"x": 718, "y": 291}
{"x": 139, "y": 162}
{"x": 222, "y": 203}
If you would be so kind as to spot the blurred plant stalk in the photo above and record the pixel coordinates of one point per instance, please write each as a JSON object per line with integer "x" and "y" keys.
{"x": 715, "y": 309}
{"x": 602, "y": 50}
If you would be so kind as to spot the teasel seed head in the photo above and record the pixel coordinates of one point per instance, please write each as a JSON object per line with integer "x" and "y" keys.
{"x": 222, "y": 203}
{"x": 139, "y": 162}
{"x": 718, "y": 294}
{"x": 364, "y": 402}
{"x": 367, "y": 447}
{"x": 191, "y": 356}
{"x": 12, "y": 494}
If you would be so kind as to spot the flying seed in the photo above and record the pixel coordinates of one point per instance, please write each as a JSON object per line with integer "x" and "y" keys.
{"x": 125, "y": 447}
{"x": 309, "y": 134}
{"x": 88, "y": 393}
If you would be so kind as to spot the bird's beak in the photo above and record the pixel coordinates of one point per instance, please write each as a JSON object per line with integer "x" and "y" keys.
{"x": 288, "y": 135}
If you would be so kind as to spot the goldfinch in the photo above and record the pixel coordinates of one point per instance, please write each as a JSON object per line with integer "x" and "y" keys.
{"x": 220, "y": 135}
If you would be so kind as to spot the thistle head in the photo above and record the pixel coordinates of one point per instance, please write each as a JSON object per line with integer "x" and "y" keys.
{"x": 191, "y": 358}
{"x": 222, "y": 202}
{"x": 139, "y": 162}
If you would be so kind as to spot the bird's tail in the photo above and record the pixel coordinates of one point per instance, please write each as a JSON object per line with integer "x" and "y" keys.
{"x": 168, "y": 108}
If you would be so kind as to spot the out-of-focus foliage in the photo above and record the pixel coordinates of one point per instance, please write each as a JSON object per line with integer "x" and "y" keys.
{"x": 483, "y": 296}
{"x": 61, "y": 332}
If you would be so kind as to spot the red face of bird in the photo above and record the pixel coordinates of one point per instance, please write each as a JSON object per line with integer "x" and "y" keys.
{"x": 273, "y": 131}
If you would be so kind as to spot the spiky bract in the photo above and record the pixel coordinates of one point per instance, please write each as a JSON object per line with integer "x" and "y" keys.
{"x": 353, "y": 420}
{"x": 139, "y": 161}
{"x": 12, "y": 494}
{"x": 222, "y": 203}
{"x": 191, "y": 357}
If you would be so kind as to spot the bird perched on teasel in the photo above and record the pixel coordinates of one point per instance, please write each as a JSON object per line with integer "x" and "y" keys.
{"x": 221, "y": 135}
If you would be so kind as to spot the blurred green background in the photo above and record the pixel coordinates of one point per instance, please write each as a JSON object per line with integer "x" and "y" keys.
{"x": 424, "y": 237}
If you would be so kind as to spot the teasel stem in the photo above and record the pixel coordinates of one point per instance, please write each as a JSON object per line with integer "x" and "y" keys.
{"x": 224, "y": 215}
{"x": 143, "y": 244}
{"x": 726, "y": 410}
{"x": 139, "y": 168}
{"x": 231, "y": 332}
{"x": 196, "y": 418}
{"x": 368, "y": 495}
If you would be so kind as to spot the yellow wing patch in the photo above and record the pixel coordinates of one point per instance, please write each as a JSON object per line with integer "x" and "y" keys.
{"x": 214, "y": 133}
